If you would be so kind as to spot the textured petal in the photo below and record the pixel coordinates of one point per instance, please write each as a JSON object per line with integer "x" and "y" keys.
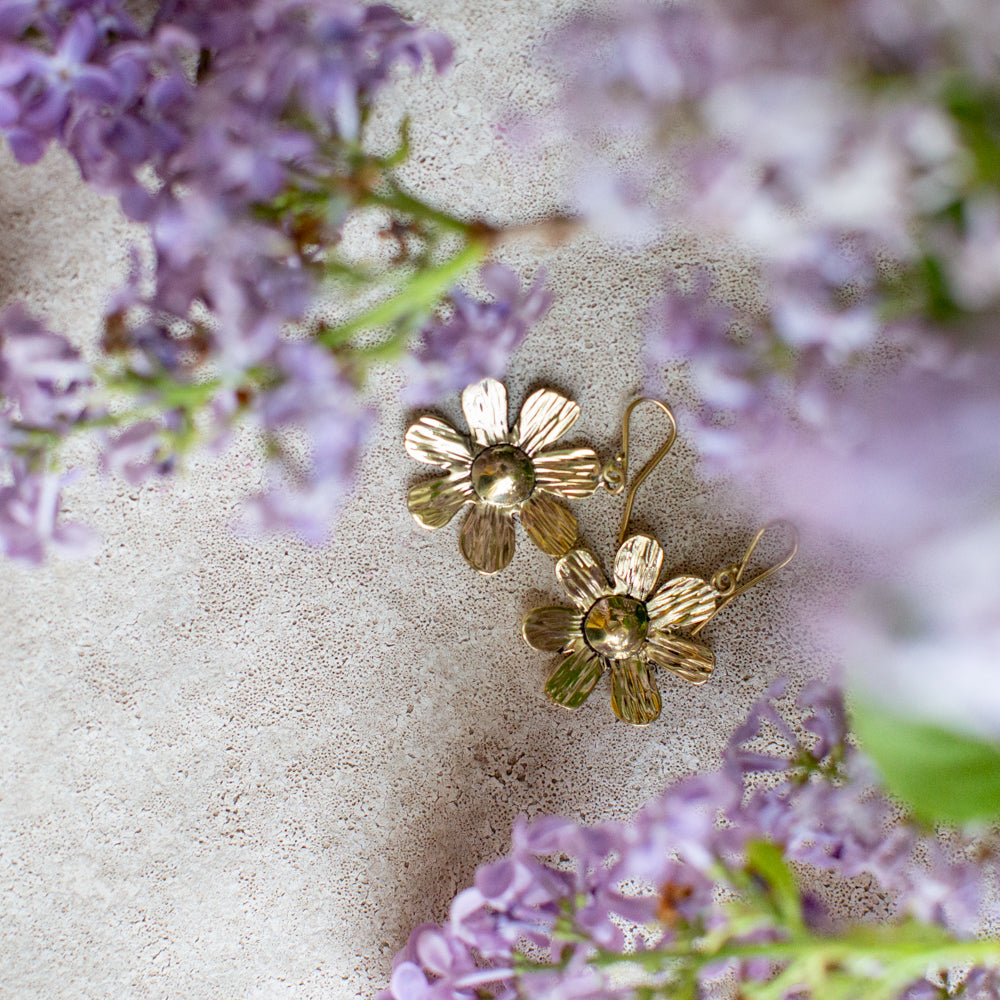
{"x": 550, "y": 525}
{"x": 487, "y": 539}
{"x": 582, "y": 577}
{"x": 551, "y": 629}
{"x": 408, "y": 980}
{"x": 573, "y": 677}
{"x": 688, "y": 658}
{"x": 433, "y": 441}
{"x": 635, "y": 697}
{"x": 545, "y": 417}
{"x": 433, "y": 504}
{"x": 485, "y": 408}
{"x": 682, "y": 603}
{"x": 569, "y": 472}
{"x": 637, "y": 566}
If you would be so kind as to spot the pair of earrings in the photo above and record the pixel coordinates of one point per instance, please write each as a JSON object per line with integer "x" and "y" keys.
{"x": 627, "y": 628}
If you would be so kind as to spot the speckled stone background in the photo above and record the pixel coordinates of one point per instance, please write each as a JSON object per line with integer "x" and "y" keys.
{"x": 247, "y": 770}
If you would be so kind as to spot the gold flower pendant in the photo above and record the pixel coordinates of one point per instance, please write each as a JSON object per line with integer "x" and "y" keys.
{"x": 502, "y": 473}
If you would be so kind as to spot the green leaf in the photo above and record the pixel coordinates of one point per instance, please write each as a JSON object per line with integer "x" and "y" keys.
{"x": 764, "y": 859}
{"x": 945, "y": 776}
{"x": 976, "y": 111}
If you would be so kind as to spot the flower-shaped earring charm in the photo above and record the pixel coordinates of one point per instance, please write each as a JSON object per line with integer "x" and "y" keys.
{"x": 626, "y": 631}
{"x": 503, "y": 472}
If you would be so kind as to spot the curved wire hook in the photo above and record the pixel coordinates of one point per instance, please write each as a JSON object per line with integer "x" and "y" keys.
{"x": 617, "y": 471}
{"x": 729, "y": 582}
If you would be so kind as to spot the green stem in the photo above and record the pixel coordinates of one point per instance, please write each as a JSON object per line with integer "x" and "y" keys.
{"x": 833, "y": 949}
{"x": 390, "y": 349}
{"x": 421, "y": 294}
{"x": 188, "y": 397}
{"x": 399, "y": 201}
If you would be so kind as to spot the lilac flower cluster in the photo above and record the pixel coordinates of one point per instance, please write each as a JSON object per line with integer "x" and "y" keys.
{"x": 818, "y": 140}
{"x": 234, "y": 131}
{"x": 550, "y": 919}
{"x": 848, "y": 152}
{"x": 121, "y": 97}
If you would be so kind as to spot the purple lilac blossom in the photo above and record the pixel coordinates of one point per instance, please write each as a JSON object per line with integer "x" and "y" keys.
{"x": 137, "y": 453}
{"x": 313, "y": 397}
{"x": 29, "y": 508}
{"x": 821, "y": 142}
{"x": 42, "y": 376}
{"x": 788, "y": 150}
{"x": 785, "y": 145}
{"x": 43, "y": 384}
{"x": 477, "y": 339}
{"x": 674, "y": 846}
{"x": 281, "y": 90}
{"x": 913, "y": 479}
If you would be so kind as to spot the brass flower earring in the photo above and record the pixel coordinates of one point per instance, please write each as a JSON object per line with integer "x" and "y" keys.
{"x": 629, "y": 628}
{"x": 502, "y": 472}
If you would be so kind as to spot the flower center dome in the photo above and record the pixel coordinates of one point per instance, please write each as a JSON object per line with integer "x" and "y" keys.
{"x": 503, "y": 475}
{"x": 616, "y": 626}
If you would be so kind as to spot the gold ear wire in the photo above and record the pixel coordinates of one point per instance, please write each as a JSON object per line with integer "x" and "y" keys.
{"x": 729, "y": 581}
{"x": 616, "y": 471}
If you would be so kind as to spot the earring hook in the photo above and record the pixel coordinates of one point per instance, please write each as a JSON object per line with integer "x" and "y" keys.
{"x": 729, "y": 582}
{"x": 616, "y": 472}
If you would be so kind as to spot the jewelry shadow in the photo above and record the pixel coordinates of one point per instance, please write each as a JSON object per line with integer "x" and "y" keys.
{"x": 512, "y": 753}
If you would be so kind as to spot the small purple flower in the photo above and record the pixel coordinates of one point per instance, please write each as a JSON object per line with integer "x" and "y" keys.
{"x": 828, "y": 721}
{"x": 315, "y": 398}
{"x": 136, "y": 453}
{"x": 805, "y": 310}
{"x": 982, "y": 984}
{"x": 689, "y": 325}
{"x": 925, "y": 990}
{"x": 17, "y": 16}
{"x": 41, "y": 374}
{"x": 437, "y": 965}
{"x": 46, "y": 86}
